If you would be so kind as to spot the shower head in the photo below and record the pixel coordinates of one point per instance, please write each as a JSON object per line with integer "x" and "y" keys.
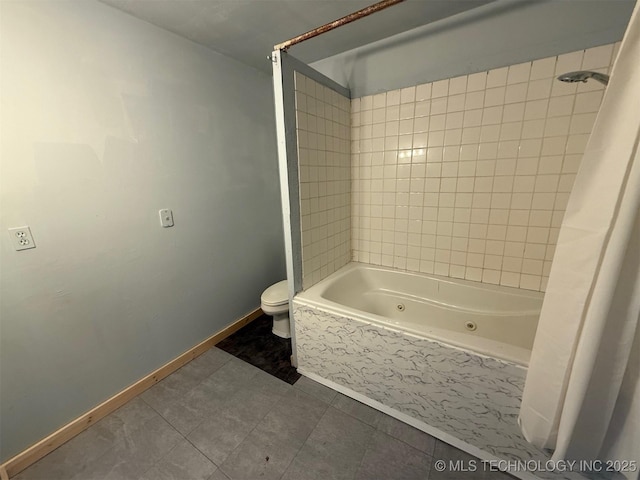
{"x": 583, "y": 76}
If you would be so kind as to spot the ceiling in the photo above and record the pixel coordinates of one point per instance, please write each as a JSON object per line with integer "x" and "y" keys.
{"x": 247, "y": 29}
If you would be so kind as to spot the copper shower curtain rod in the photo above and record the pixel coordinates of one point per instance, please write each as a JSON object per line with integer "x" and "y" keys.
{"x": 352, "y": 17}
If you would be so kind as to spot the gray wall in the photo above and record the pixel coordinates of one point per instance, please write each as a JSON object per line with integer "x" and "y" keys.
{"x": 105, "y": 120}
{"x": 504, "y": 32}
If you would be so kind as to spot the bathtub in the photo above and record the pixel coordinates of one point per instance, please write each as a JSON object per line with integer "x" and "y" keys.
{"x": 444, "y": 355}
{"x": 491, "y": 320}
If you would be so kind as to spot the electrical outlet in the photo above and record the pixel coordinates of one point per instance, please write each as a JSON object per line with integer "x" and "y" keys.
{"x": 166, "y": 218}
{"x": 21, "y": 238}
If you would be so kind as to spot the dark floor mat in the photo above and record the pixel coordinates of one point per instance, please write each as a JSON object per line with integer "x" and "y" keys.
{"x": 257, "y": 345}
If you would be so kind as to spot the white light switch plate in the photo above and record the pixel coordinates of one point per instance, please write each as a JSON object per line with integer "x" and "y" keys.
{"x": 166, "y": 218}
{"x": 21, "y": 238}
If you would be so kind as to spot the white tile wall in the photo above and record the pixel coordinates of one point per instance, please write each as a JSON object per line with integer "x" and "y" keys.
{"x": 322, "y": 117}
{"x": 469, "y": 177}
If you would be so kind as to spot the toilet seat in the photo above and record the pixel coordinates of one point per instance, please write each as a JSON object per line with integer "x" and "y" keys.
{"x": 276, "y": 295}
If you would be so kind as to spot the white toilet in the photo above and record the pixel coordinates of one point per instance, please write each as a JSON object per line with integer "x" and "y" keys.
{"x": 275, "y": 302}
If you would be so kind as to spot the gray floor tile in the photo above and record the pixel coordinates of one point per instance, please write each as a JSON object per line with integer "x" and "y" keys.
{"x": 183, "y": 418}
{"x": 392, "y": 459}
{"x": 113, "y": 466}
{"x": 228, "y": 380}
{"x": 236, "y": 370}
{"x": 198, "y": 370}
{"x": 218, "y": 437}
{"x": 135, "y": 452}
{"x": 163, "y": 396}
{"x": 55, "y": 466}
{"x": 253, "y": 402}
{"x": 294, "y": 417}
{"x": 150, "y": 441}
{"x": 131, "y": 415}
{"x": 211, "y": 360}
{"x": 198, "y": 404}
{"x": 170, "y": 390}
{"x": 333, "y": 450}
{"x": 271, "y": 446}
{"x": 116, "y": 426}
{"x": 255, "y": 458}
{"x": 71, "y": 458}
{"x": 211, "y": 395}
{"x": 183, "y": 462}
{"x": 266, "y": 385}
{"x": 218, "y": 475}
{"x": 79, "y": 456}
{"x": 451, "y": 455}
{"x": 315, "y": 389}
{"x": 254, "y": 426}
{"x": 356, "y": 409}
{"x": 408, "y": 434}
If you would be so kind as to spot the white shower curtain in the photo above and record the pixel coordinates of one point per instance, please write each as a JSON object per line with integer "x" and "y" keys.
{"x": 582, "y": 394}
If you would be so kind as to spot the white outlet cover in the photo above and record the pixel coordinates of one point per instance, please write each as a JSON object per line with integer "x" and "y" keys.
{"x": 166, "y": 217}
{"x": 21, "y": 238}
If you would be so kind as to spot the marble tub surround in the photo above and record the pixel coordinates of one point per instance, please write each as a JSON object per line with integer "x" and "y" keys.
{"x": 470, "y": 397}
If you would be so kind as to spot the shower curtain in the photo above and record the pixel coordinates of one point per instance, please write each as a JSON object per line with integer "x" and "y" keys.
{"x": 582, "y": 393}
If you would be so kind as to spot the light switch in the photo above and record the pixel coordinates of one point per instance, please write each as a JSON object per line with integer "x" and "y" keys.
{"x": 166, "y": 218}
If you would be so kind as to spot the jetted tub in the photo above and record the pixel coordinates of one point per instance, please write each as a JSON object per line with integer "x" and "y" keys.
{"x": 488, "y": 319}
{"x": 444, "y": 355}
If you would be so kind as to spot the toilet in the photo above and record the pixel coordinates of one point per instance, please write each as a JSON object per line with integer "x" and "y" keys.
{"x": 275, "y": 302}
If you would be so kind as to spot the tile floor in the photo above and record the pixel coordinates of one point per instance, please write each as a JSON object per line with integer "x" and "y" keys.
{"x": 254, "y": 343}
{"x": 220, "y": 418}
